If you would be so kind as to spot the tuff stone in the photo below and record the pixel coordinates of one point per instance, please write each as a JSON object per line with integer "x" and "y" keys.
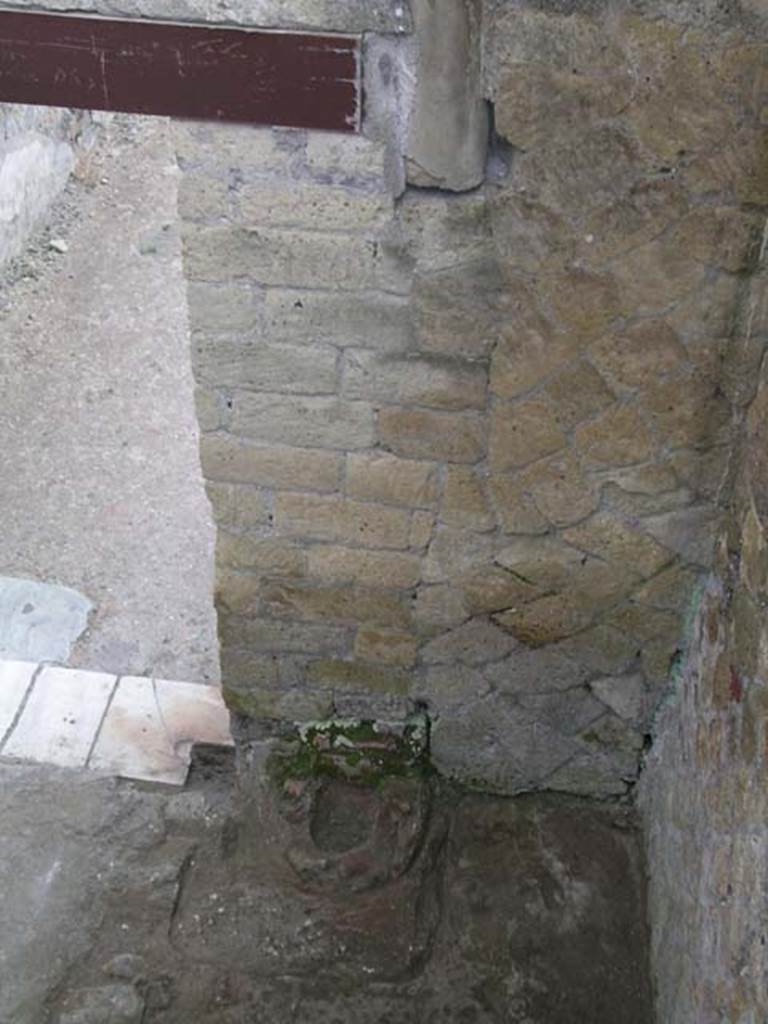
{"x": 416, "y": 433}
{"x": 369, "y": 568}
{"x": 378, "y": 476}
{"x": 465, "y": 502}
{"x": 523, "y": 432}
{"x": 235, "y": 460}
{"x": 385, "y": 645}
{"x": 333, "y": 518}
{"x": 320, "y": 422}
{"x": 436, "y": 383}
{"x": 559, "y": 489}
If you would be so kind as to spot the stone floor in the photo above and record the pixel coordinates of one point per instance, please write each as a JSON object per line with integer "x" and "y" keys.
{"x": 102, "y": 489}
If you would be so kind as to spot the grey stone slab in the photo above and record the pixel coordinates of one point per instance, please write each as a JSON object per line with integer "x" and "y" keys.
{"x": 39, "y": 621}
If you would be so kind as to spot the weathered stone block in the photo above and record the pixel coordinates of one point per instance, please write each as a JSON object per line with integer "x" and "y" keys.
{"x": 334, "y": 518}
{"x": 527, "y": 354}
{"x": 515, "y": 510}
{"x": 308, "y": 601}
{"x": 523, "y": 432}
{"x": 275, "y": 557}
{"x": 226, "y": 458}
{"x": 310, "y": 206}
{"x": 269, "y": 636}
{"x": 390, "y": 646}
{"x": 454, "y": 437}
{"x": 422, "y": 528}
{"x": 239, "y": 508}
{"x": 307, "y": 421}
{"x": 358, "y": 565}
{"x": 252, "y": 365}
{"x": 456, "y": 310}
{"x": 203, "y": 198}
{"x": 639, "y": 355}
{"x": 578, "y": 392}
{"x": 618, "y": 437}
{"x": 294, "y": 259}
{"x": 465, "y": 501}
{"x": 436, "y": 608}
{"x": 619, "y": 543}
{"x": 455, "y": 552}
{"x": 357, "y": 675}
{"x": 223, "y": 307}
{"x": 378, "y": 476}
{"x": 437, "y": 383}
{"x": 476, "y": 642}
{"x": 346, "y": 319}
{"x": 559, "y": 489}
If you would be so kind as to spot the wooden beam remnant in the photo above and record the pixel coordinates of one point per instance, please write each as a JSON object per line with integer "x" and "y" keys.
{"x": 143, "y": 67}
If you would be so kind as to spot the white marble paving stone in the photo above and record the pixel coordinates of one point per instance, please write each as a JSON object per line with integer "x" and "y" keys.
{"x": 134, "y": 742}
{"x": 15, "y": 677}
{"x": 194, "y": 713}
{"x": 61, "y": 717}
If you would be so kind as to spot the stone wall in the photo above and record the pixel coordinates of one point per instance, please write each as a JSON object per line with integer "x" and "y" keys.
{"x": 703, "y": 789}
{"x": 464, "y": 450}
{"x": 38, "y": 148}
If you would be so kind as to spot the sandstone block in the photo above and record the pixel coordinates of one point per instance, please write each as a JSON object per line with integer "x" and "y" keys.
{"x": 269, "y": 636}
{"x": 237, "y": 592}
{"x": 618, "y": 437}
{"x": 226, "y": 458}
{"x": 515, "y": 510}
{"x": 584, "y": 302}
{"x": 237, "y": 507}
{"x": 208, "y": 409}
{"x": 357, "y": 675}
{"x": 390, "y": 646}
{"x": 315, "y": 422}
{"x": 449, "y": 686}
{"x": 457, "y": 309}
{"x": 656, "y": 276}
{"x": 379, "y": 476}
{"x": 453, "y": 437}
{"x": 619, "y": 543}
{"x": 344, "y": 158}
{"x": 547, "y": 619}
{"x": 292, "y": 369}
{"x": 422, "y": 528}
{"x": 526, "y": 355}
{"x": 310, "y": 206}
{"x": 689, "y": 411}
{"x": 455, "y": 552}
{"x": 203, "y": 198}
{"x": 293, "y": 259}
{"x": 624, "y": 695}
{"x": 437, "y": 382}
{"x": 333, "y": 564}
{"x": 578, "y": 392}
{"x": 217, "y": 149}
{"x": 638, "y": 356}
{"x": 476, "y": 642}
{"x": 437, "y": 608}
{"x": 352, "y": 604}
{"x": 465, "y": 501}
{"x": 253, "y": 699}
{"x": 493, "y": 590}
{"x": 275, "y": 557}
{"x": 334, "y": 518}
{"x": 559, "y": 489}
{"x": 523, "y": 432}
{"x": 223, "y": 307}
{"x": 346, "y": 319}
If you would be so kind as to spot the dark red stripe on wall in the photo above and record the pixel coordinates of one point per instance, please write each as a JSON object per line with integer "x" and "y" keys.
{"x": 141, "y": 67}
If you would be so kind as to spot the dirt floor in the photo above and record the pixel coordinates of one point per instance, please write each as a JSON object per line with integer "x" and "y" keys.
{"x": 128, "y": 905}
{"x": 101, "y": 485}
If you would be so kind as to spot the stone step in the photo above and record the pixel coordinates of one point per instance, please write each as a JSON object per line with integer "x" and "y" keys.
{"x": 128, "y": 726}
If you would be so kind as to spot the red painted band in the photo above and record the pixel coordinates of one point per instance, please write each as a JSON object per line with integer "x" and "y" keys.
{"x": 141, "y": 67}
